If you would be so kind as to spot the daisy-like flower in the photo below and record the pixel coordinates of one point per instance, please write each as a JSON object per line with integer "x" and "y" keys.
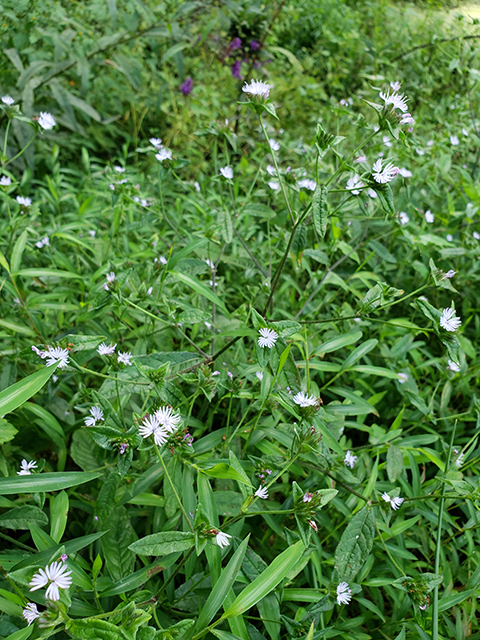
{"x": 25, "y": 202}
{"x": 44, "y": 242}
{"x": 476, "y": 235}
{"x": 449, "y": 237}
{"x": 268, "y": 338}
{"x": 405, "y": 173}
{"x": 262, "y": 492}
{"x": 313, "y": 524}
{"x": 8, "y": 100}
{"x": 355, "y": 185}
{"x": 344, "y": 593}
{"x": 119, "y": 169}
{"x": 259, "y": 375}
{"x": 26, "y": 468}
{"x": 92, "y": 233}
{"x": 271, "y": 170}
{"x": 453, "y": 366}
{"x": 156, "y": 142}
{"x": 30, "y": 613}
{"x": 402, "y": 378}
{"x": 46, "y": 120}
{"x": 350, "y": 459}
{"x": 450, "y": 273}
{"x": 222, "y": 539}
{"x": 383, "y": 174}
{"x": 57, "y": 354}
{"x": 163, "y": 154}
{"x": 429, "y": 217}
{"x": 151, "y": 426}
{"x": 304, "y": 400}
{"x": 56, "y": 576}
{"x": 396, "y": 85}
{"x": 274, "y": 185}
{"x": 311, "y": 185}
{"x": 454, "y": 140}
{"x": 386, "y": 497}
{"x": 103, "y": 350}
{"x": 227, "y": 172}
{"x": 397, "y": 100}
{"x": 274, "y": 145}
{"x": 5, "y": 181}
{"x": 96, "y": 414}
{"x": 124, "y": 358}
{"x": 407, "y": 118}
{"x": 395, "y": 503}
{"x": 449, "y": 321}
{"x": 257, "y": 88}
{"x": 168, "y": 419}
{"x": 110, "y": 276}
{"x": 307, "y": 497}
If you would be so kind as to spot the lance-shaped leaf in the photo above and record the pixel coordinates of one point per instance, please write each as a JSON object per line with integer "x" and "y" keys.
{"x": 355, "y": 545}
{"x": 43, "y": 482}
{"x": 319, "y": 210}
{"x": 161, "y": 544}
{"x": 14, "y": 396}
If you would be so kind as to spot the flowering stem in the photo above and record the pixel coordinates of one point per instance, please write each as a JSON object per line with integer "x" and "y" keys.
{"x": 172, "y": 486}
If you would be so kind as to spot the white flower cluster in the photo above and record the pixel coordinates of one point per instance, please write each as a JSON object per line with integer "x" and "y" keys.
{"x": 96, "y": 414}
{"x": 26, "y": 468}
{"x": 268, "y": 338}
{"x": 160, "y": 424}
{"x": 395, "y": 503}
{"x": 55, "y": 576}
{"x": 53, "y": 355}
{"x": 257, "y": 88}
{"x": 163, "y": 153}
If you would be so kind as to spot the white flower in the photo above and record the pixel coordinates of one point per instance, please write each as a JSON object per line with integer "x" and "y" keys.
{"x": 311, "y": 185}
{"x": 465, "y": 133}
{"x": 42, "y": 354}
{"x": 313, "y": 524}
{"x": 259, "y": 375}
{"x": 402, "y": 378}
{"x": 307, "y": 497}
{"x": 163, "y": 260}
{"x": 304, "y": 400}
{"x": 360, "y": 159}
{"x": 396, "y": 503}
{"x": 268, "y": 338}
{"x": 476, "y": 235}
{"x": 26, "y": 202}
{"x": 25, "y": 468}
{"x": 429, "y": 217}
{"x": 397, "y": 100}
{"x": 257, "y": 88}
{"x": 372, "y": 193}
{"x": 92, "y": 233}
{"x": 210, "y": 264}
{"x": 430, "y": 143}
{"x": 106, "y": 287}
{"x": 110, "y": 276}
{"x": 222, "y": 539}
{"x": 355, "y": 185}
{"x": 449, "y": 274}
{"x": 449, "y": 321}
{"x": 96, "y": 414}
{"x": 454, "y": 140}
{"x": 197, "y": 186}
{"x": 45, "y": 242}
{"x": 156, "y": 142}
{"x": 403, "y": 218}
{"x": 453, "y": 366}
{"x": 350, "y": 459}
{"x": 5, "y": 181}
{"x": 459, "y": 460}
{"x": 420, "y": 152}
{"x": 167, "y": 418}
{"x": 119, "y": 169}
{"x": 46, "y": 121}
{"x": 124, "y": 358}
{"x": 383, "y": 174}
{"x": 149, "y": 291}
{"x": 227, "y": 172}
{"x": 103, "y": 350}
{"x": 273, "y": 184}
{"x": 386, "y": 141}
{"x": 30, "y": 613}
{"x": 274, "y": 145}
{"x": 56, "y": 576}
{"x": 57, "y": 354}
{"x": 405, "y": 173}
{"x": 271, "y": 170}
{"x": 262, "y": 492}
{"x": 407, "y": 119}
{"x": 386, "y": 497}
{"x": 8, "y": 100}
{"x": 449, "y": 237}
{"x": 344, "y": 593}
{"x": 396, "y": 85}
{"x": 163, "y": 154}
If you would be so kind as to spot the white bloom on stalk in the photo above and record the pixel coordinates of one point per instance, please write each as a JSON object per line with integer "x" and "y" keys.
{"x": 476, "y": 235}
{"x": 459, "y": 460}
{"x": 350, "y": 459}
{"x": 372, "y": 193}
{"x": 386, "y": 141}
{"x": 44, "y": 242}
{"x": 168, "y": 419}
{"x": 384, "y": 174}
{"x": 304, "y": 400}
{"x": 449, "y": 321}
{"x": 268, "y": 338}
{"x": 119, "y": 169}
{"x": 271, "y": 170}
{"x": 405, "y": 173}
{"x": 163, "y": 154}
{"x": 465, "y": 132}
{"x": 56, "y": 576}
{"x": 344, "y": 593}
{"x": 96, "y": 414}
{"x": 397, "y": 100}
{"x": 313, "y": 524}
{"x": 407, "y": 119}
{"x": 5, "y": 181}
{"x": 360, "y": 159}
{"x": 124, "y": 358}
{"x": 222, "y": 539}
{"x": 156, "y": 142}
{"x": 429, "y": 217}
{"x": 227, "y": 172}
{"x": 262, "y": 492}
{"x": 8, "y": 100}
{"x": 274, "y": 185}
{"x": 274, "y": 145}
{"x": 257, "y": 88}
{"x": 163, "y": 260}
{"x": 30, "y": 613}
{"x": 57, "y": 354}
{"x": 151, "y": 426}
{"x": 26, "y": 202}
{"x": 402, "y": 378}
{"x": 103, "y": 350}
{"x": 454, "y": 140}
{"x": 311, "y": 185}
{"x": 396, "y": 85}
{"x": 26, "y": 468}
{"x": 395, "y": 503}
{"x": 403, "y": 218}
{"x": 92, "y": 233}
{"x": 450, "y": 274}
{"x": 259, "y": 375}
{"x": 355, "y": 185}
{"x": 46, "y": 120}
{"x": 210, "y": 264}
{"x": 453, "y": 366}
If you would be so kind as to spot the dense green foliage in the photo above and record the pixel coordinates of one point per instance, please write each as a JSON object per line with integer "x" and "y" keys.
{"x": 283, "y": 318}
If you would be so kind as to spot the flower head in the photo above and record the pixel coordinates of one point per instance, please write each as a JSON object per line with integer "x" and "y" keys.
{"x": 274, "y": 185}
{"x": 449, "y": 321}
{"x": 123, "y": 448}
{"x": 307, "y": 497}
{"x": 402, "y": 378}
{"x": 30, "y": 613}
{"x": 313, "y": 524}
{"x": 350, "y": 459}
{"x": 268, "y": 338}
{"x": 344, "y": 593}
{"x": 453, "y": 366}
{"x": 476, "y": 235}
{"x": 5, "y": 181}
{"x": 151, "y": 426}
{"x": 259, "y": 375}
{"x": 57, "y": 354}
{"x": 383, "y": 174}
{"x": 311, "y": 185}
{"x": 403, "y": 218}
{"x": 119, "y": 169}
{"x": 274, "y": 145}
{"x": 406, "y": 118}
{"x": 395, "y": 503}
{"x": 156, "y": 142}
{"x": 429, "y": 217}
{"x": 397, "y": 100}
{"x": 271, "y": 170}
{"x": 405, "y": 173}
{"x": 25, "y": 202}
{"x": 96, "y": 414}
{"x": 262, "y": 492}
{"x": 8, "y": 100}
{"x": 396, "y": 85}
{"x": 46, "y": 120}
{"x": 103, "y": 350}
{"x": 257, "y": 88}
{"x": 44, "y": 242}
{"x": 304, "y": 400}
{"x": 222, "y": 539}
{"x": 355, "y": 185}
{"x": 187, "y": 86}
{"x": 163, "y": 154}
{"x": 454, "y": 140}
{"x": 26, "y": 467}
{"x": 459, "y": 460}
{"x": 227, "y": 172}
{"x": 168, "y": 419}
{"x": 450, "y": 273}
{"x": 56, "y": 576}
{"x": 237, "y": 69}
{"x": 124, "y": 358}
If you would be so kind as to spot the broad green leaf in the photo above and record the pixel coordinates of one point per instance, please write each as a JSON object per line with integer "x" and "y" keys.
{"x": 46, "y": 273}
{"x": 13, "y": 325}
{"x": 201, "y": 289}
{"x": 225, "y": 635}
{"x": 359, "y": 352}
{"x": 7, "y": 431}
{"x": 119, "y": 559}
{"x": 17, "y": 252}
{"x": 4, "y": 263}
{"x": 225, "y": 471}
{"x": 23, "y": 517}
{"x": 327, "y": 436}
{"x": 18, "y": 393}
{"x": 266, "y": 581}
{"x": 394, "y": 462}
{"x": 355, "y": 545}
{"x": 370, "y": 370}
{"x": 224, "y": 221}
{"x": 319, "y": 210}
{"x": 21, "y": 634}
{"x": 337, "y": 343}
{"x": 161, "y": 544}
{"x": 447, "y": 602}
{"x": 89, "y": 629}
{"x": 58, "y": 515}
{"x": 39, "y": 482}
{"x": 138, "y": 578}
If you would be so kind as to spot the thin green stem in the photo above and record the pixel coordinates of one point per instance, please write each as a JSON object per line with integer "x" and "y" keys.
{"x": 6, "y": 137}
{"x": 21, "y": 151}
{"x": 172, "y": 486}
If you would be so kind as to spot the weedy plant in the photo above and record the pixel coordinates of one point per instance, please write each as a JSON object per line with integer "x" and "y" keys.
{"x": 245, "y": 402}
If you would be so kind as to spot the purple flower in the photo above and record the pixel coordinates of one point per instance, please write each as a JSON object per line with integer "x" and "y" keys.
{"x": 236, "y": 68}
{"x": 236, "y": 43}
{"x": 187, "y": 86}
{"x": 123, "y": 447}
{"x": 254, "y": 45}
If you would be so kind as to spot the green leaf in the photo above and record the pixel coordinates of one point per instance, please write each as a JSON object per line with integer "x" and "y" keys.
{"x": 319, "y": 210}
{"x": 17, "y": 252}
{"x": 89, "y": 629}
{"x": 43, "y": 482}
{"x": 225, "y": 471}
{"x": 394, "y": 462}
{"x": 21, "y": 634}
{"x": 359, "y": 352}
{"x": 201, "y": 289}
{"x": 337, "y": 343}
{"x": 161, "y": 544}
{"x": 18, "y": 393}
{"x": 46, "y": 273}
{"x": 327, "y": 436}
{"x": 266, "y": 581}
{"x": 58, "y": 515}
{"x": 4, "y": 263}
{"x": 224, "y": 221}
{"x": 22, "y": 518}
{"x": 119, "y": 558}
{"x": 7, "y": 431}
{"x": 355, "y": 545}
